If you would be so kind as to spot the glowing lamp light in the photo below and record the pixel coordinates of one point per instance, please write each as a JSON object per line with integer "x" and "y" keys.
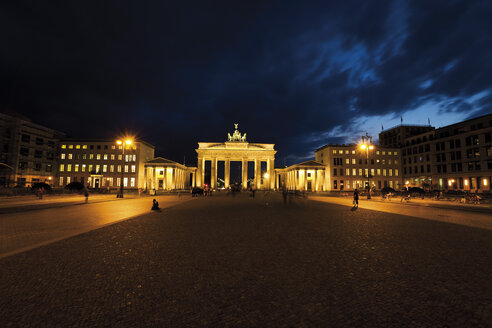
{"x": 407, "y": 182}
{"x": 485, "y": 182}
{"x": 119, "y": 142}
{"x": 363, "y": 146}
{"x": 466, "y": 182}
{"x": 371, "y": 147}
{"x": 266, "y": 175}
{"x": 128, "y": 141}
{"x": 49, "y": 178}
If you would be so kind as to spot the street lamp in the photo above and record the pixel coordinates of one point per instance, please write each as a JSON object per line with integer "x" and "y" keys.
{"x": 123, "y": 145}
{"x": 368, "y": 147}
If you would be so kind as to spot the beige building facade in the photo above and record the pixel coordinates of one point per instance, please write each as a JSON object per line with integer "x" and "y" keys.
{"x": 306, "y": 176}
{"x": 236, "y": 148}
{"x": 102, "y": 163}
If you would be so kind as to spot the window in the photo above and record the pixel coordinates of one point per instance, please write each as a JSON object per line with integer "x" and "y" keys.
{"x": 70, "y": 147}
{"x": 49, "y": 167}
{"x": 372, "y": 172}
{"x": 134, "y": 169}
{"x": 384, "y": 172}
{"x": 395, "y": 153}
{"x": 112, "y": 157}
{"x": 105, "y": 157}
{"x": 76, "y": 168}
{"x": 105, "y": 168}
{"x": 347, "y": 161}
{"x": 360, "y": 172}
{"x": 63, "y": 147}
{"x": 378, "y": 171}
{"x": 334, "y": 151}
{"x": 69, "y": 167}
{"x": 77, "y": 147}
{"x": 111, "y": 168}
{"x": 90, "y": 168}
{"x": 37, "y": 167}
{"x": 70, "y": 156}
{"x": 84, "y": 156}
{"x": 353, "y": 152}
{"x": 134, "y": 158}
{"x": 354, "y": 172}
{"x": 340, "y": 151}
{"x": 390, "y": 172}
{"x": 125, "y": 182}
{"x": 83, "y": 167}
{"x": 120, "y": 157}
{"x": 62, "y": 167}
{"x": 91, "y": 156}
{"x": 68, "y": 180}
{"x": 84, "y": 147}
{"x": 24, "y": 151}
{"x": 39, "y": 141}
{"x": 119, "y": 168}
{"x": 132, "y": 182}
{"x": 334, "y": 172}
{"x": 98, "y": 168}
{"x": 98, "y": 157}
{"x": 347, "y": 171}
{"x": 353, "y": 161}
{"x": 335, "y": 184}
{"x": 26, "y": 138}
{"x": 61, "y": 181}
{"x": 126, "y": 168}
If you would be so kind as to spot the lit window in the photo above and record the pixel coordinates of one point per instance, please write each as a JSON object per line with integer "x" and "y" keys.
{"x": 354, "y": 171}
{"x": 134, "y": 158}
{"x": 134, "y": 147}
{"x": 347, "y": 171}
{"x": 384, "y": 161}
{"x": 105, "y": 157}
{"x": 396, "y": 161}
{"x": 68, "y": 180}
{"x": 346, "y": 152}
{"x": 353, "y": 161}
{"x": 84, "y": 147}
{"x": 396, "y": 172}
{"x": 62, "y": 167}
{"x": 113, "y": 147}
{"x": 384, "y": 153}
{"x": 83, "y": 167}
{"x": 372, "y": 172}
{"x": 360, "y": 172}
{"x": 132, "y": 182}
{"x": 353, "y": 151}
{"x": 119, "y": 168}
{"x": 90, "y": 168}
{"x": 112, "y": 157}
{"x": 340, "y": 151}
{"x": 69, "y": 168}
{"x": 125, "y": 182}
{"x": 77, "y": 147}
{"x": 334, "y": 151}
{"x": 377, "y": 152}
{"x": 84, "y": 156}
{"x": 63, "y": 147}
{"x": 120, "y": 157}
{"x": 395, "y": 153}
{"x": 98, "y": 157}
{"x": 379, "y": 171}
{"x": 134, "y": 168}
{"x": 76, "y": 168}
{"x": 390, "y": 172}
{"x": 62, "y": 156}
{"x": 126, "y": 168}
{"x": 389, "y": 153}
{"x": 389, "y": 161}
{"x": 111, "y": 168}
{"x": 91, "y": 156}
{"x": 69, "y": 147}
{"x": 70, "y": 156}
{"x": 118, "y": 181}
{"x": 347, "y": 161}
{"x": 105, "y": 168}
{"x": 61, "y": 180}
{"x": 384, "y": 172}
{"x": 98, "y": 167}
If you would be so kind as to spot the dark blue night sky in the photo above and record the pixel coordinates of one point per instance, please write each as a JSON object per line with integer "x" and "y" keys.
{"x": 298, "y": 74}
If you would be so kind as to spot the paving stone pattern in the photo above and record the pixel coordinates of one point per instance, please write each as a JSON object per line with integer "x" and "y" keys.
{"x": 238, "y": 262}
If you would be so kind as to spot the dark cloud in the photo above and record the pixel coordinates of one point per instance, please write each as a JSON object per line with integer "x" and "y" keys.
{"x": 291, "y": 73}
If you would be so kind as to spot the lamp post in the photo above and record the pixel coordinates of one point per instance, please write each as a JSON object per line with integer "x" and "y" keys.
{"x": 368, "y": 147}
{"x": 123, "y": 145}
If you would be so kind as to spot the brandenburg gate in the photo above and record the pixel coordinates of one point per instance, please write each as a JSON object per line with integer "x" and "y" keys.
{"x": 236, "y": 149}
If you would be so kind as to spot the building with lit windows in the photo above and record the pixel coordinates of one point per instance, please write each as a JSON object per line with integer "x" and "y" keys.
{"x": 28, "y": 152}
{"x": 454, "y": 157}
{"x": 103, "y": 163}
{"x": 345, "y": 167}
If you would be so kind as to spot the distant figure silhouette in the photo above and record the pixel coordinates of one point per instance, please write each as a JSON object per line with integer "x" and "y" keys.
{"x": 356, "y": 198}
{"x": 86, "y": 194}
{"x": 155, "y": 205}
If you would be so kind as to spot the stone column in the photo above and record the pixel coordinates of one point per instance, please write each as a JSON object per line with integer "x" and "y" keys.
{"x": 305, "y": 180}
{"x": 199, "y": 172}
{"x": 213, "y": 174}
{"x": 227, "y": 173}
{"x": 257, "y": 173}
{"x": 193, "y": 179}
{"x": 154, "y": 180}
{"x": 245, "y": 173}
{"x": 315, "y": 180}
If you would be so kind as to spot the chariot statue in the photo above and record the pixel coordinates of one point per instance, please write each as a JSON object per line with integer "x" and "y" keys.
{"x": 236, "y": 136}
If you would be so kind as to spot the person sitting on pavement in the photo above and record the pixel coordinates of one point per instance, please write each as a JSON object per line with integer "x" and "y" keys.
{"x": 155, "y": 205}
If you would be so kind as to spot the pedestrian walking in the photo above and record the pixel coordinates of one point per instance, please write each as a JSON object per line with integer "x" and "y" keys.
{"x": 284, "y": 194}
{"x": 86, "y": 194}
{"x": 356, "y": 198}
